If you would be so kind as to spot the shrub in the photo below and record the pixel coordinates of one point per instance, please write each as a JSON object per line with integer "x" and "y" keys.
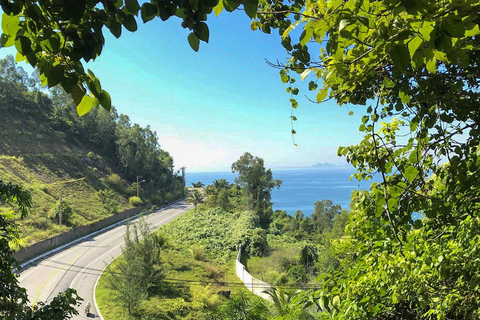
{"x": 107, "y": 198}
{"x": 205, "y": 295}
{"x": 197, "y": 252}
{"x": 298, "y": 274}
{"x": 157, "y": 199}
{"x": 258, "y": 244}
{"x": 135, "y": 201}
{"x": 115, "y": 182}
{"x": 214, "y": 272}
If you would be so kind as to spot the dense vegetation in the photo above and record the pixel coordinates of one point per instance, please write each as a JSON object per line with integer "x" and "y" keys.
{"x": 89, "y": 162}
{"x": 411, "y": 244}
{"x": 202, "y": 247}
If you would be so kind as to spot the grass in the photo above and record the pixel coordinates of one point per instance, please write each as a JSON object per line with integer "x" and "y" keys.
{"x": 48, "y": 164}
{"x": 179, "y": 295}
{"x": 271, "y": 268}
{"x": 191, "y": 287}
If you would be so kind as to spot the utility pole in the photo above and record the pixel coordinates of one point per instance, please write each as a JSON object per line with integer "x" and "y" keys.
{"x": 183, "y": 178}
{"x": 138, "y": 184}
{"x": 60, "y": 207}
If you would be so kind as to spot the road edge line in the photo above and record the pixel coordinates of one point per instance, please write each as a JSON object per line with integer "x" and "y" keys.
{"x": 46, "y": 254}
{"x": 106, "y": 266}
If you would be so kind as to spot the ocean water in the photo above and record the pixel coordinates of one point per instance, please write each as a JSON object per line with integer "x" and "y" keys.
{"x": 301, "y": 187}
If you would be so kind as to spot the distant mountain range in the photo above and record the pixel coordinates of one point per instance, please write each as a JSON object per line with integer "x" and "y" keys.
{"x": 324, "y": 165}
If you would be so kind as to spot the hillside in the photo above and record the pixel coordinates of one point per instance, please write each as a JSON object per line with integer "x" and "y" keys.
{"x": 48, "y": 150}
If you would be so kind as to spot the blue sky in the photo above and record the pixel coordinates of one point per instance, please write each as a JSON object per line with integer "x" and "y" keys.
{"x": 211, "y": 106}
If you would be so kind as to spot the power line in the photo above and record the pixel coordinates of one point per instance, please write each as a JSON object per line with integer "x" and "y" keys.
{"x": 175, "y": 281}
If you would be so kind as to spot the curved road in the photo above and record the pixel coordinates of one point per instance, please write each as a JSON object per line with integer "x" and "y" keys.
{"x": 80, "y": 265}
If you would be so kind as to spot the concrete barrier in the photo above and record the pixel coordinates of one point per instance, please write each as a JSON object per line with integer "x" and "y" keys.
{"x": 69, "y": 236}
{"x": 253, "y": 284}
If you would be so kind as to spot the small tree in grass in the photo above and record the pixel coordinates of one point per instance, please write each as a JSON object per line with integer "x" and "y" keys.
{"x": 195, "y": 198}
{"x": 135, "y": 272}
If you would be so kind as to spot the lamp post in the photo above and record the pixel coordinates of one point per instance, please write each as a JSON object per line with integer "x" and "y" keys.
{"x": 138, "y": 184}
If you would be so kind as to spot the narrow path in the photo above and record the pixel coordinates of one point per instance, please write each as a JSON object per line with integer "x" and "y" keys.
{"x": 80, "y": 265}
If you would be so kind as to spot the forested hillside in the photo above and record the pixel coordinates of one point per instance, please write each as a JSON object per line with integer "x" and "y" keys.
{"x": 92, "y": 162}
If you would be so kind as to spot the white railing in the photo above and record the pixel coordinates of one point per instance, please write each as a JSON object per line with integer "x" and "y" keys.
{"x": 254, "y": 285}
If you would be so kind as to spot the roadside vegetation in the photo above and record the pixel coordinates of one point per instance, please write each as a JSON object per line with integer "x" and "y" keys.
{"x": 195, "y": 274}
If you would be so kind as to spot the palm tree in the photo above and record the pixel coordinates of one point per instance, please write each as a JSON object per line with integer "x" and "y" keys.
{"x": 220, "y": 184}
{"x": 161, "y": 241}
{"x": 288, "y": 304}
{"x": 195, "y": 198}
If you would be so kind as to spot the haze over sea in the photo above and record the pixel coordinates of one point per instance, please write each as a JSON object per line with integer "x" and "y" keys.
{"x": 301, "y": 187}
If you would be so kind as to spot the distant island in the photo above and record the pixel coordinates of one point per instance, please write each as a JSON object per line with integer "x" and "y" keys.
{"x": 324, "y": 165}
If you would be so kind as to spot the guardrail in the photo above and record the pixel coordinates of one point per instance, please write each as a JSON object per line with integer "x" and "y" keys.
{"x": 253, "y": 284}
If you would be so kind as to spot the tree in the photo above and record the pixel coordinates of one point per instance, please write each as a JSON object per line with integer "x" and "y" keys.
{"x": 414, "y": 65}
{"x": 324, "y": 214}
{"x": 135, "y": 272}
{"x": 257, "y": 183}
{"x": 13, "y": 298}
{"x": 195, "y": 198}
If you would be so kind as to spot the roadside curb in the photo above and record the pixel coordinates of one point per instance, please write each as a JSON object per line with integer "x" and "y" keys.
{"x": 48, "y": 253}
{"x": 103, "y": 270}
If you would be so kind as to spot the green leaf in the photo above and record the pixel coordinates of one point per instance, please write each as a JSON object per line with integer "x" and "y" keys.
{"x": 10, "y": 25}
{"x": 295, "y": 91}
{"x": 86, "y": 105}
{"x": 148, "y": 12}
{"x": 336, "y": 302}
{"x": 322, "y": 94}
{"x": 431, "y": 65}
{"x": 23, "y": 45}
{"x": 411, "y": 173}
{"x": 251, "y": 8}
{"x": 473, "y": 32}
{"x": 132, "y": 6}
{"x": 400, "y": 57}
{"x": 284, "y": 76}
{"x": 294, "y": 103}
{"x": 201, "y": 31}
{"x": 77, "y": 93}
{"x": 105, "y": 100}
{"x": 193, "y": 41}
{"x": 414, "y": 44}
{"x": 230, "y": 5}
{"x": 405, "y": 98}
{"x": 426, "y": 32}
{"x": 129, "y": 23}
{"x": 55, "y": 75}
{"x": 218, "y": 8}
{"x": 116, "y": 29}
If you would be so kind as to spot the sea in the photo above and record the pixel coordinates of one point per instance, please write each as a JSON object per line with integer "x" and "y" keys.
{"x": 301, "y": 187}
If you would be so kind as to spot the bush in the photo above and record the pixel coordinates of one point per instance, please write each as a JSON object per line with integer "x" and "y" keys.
{"x": 258, "y": 244}
{"x": 107, "y": 198}
{"x": 214, "y": 272}
{"x": 135, "y": 201}
{"x": 115, "y": 182}
{"x": 298, "y": 274}
{"x": 197, "y": 252}
{"x": 157, "y": 199}
{"x": 205, "y": 295}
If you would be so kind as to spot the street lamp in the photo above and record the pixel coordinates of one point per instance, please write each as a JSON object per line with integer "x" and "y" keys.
{"x": 138, "y": 184}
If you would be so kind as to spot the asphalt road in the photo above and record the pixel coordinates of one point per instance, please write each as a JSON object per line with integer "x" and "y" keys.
{"x": 80, "y": 265}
